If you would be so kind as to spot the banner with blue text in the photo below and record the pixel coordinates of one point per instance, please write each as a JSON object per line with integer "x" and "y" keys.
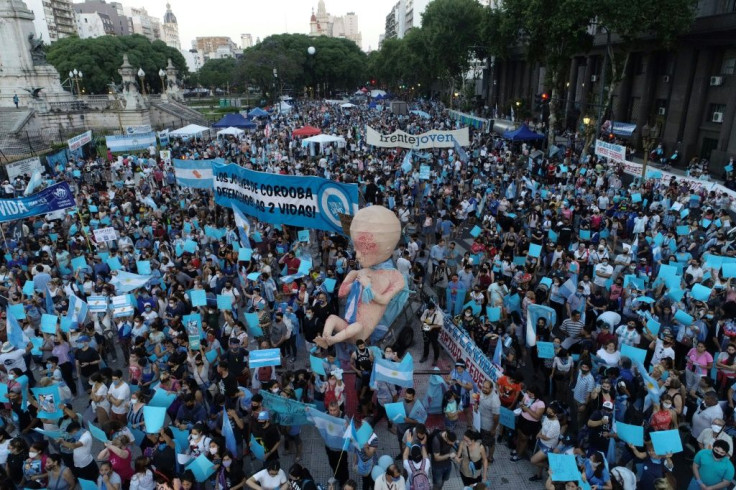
{"x": 51, "y": 199}
{"x": 306, "y": 202}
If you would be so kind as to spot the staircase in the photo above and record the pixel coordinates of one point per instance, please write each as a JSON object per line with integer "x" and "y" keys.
{"x": 175, "y": 108}
{"x": 15, "y": 142}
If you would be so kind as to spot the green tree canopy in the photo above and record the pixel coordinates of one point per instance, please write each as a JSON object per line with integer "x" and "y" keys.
{"x": 216, "y": 73}
{"x": 99, "y": 59}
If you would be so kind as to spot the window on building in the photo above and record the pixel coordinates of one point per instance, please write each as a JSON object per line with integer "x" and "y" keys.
{"x": 717, "y": 108}
{"x": 729, "y": 66}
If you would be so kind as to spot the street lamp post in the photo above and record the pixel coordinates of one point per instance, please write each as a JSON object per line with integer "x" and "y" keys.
{"x": 142, "y": 75}
{"x": 649, "y": 137}
{"x": 311, "y": 51}
{"x": 75, "y": 76}
{"x": 162, "y": 75}
{"x": 275, "y": 84}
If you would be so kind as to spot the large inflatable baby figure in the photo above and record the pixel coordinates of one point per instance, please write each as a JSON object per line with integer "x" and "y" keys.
{"x": 377, "y": 292}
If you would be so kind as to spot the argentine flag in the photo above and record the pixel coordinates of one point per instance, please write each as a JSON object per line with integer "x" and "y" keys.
{"x": 126, "y": 282}
{"x": 332, "y": 429}
{"x": 243, "y": 226}
{"x": 649, "y": 383}
{"x": 34, "y": 183}
{"x": 15, "y": 333}
{"x": 461, "y": 154}
{"x": 78, "y": 309}
{"x": 406, "y": 164}
{"x": 194, "y": 173}
{"x": 534, "y": 313}
{"x": 398, "y": 373}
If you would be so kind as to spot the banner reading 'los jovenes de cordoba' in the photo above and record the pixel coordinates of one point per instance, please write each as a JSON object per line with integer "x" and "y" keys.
{"x": 430, "y": 139}
{"x": 308, "y": 202}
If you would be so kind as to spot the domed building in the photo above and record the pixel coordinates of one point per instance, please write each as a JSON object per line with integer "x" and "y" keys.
{"x": 170, "y": 29}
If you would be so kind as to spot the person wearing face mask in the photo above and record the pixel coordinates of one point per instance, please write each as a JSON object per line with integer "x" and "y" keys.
{"x": 159, "y": 448}
{"x": 230, "y": 475}
{"x": 711, "y": 468}
{"x": 189, "y": 413}
{"x": 81, "y": 445}
{"x": 59, "y": 476}
{"x": 716, "y": 432}
{"x": 272, "y": 477}
{"x": 142, "y": 475}
{"x": 34, "y": 467}
{"x": 199, "y": 442}
{"x": 267, "y": 435}
{"x": 87, "y": 360}
{"x": 60, "y": 351}
{"x": 548, "y": 439}
{"x": 118, "y": 394}
{"x": 596, "y": 473}
{"x": 663, "y": 416}
{"x": 390, "y": 480}
{"x": 310, "y": 328}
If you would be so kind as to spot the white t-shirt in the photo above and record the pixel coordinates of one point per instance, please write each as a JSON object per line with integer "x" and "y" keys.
{"x": 603, "y": 269}
{"x": 121, "y": 392}
{"x": 104, "y": 404}
{"x": 13, "y": 359}
{"x": 83, "y": 455}
{"x": 269, "y": 482}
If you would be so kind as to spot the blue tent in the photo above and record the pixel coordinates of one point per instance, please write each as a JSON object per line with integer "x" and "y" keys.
{"x": 236, "y": 121}
{"x": 522, "y": 134}
{"x": 258, "y": 112}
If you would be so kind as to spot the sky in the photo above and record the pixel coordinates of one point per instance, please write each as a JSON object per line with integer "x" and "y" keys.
{"x": 262, "y": 18}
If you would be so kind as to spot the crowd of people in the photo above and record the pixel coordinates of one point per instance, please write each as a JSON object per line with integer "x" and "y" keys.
{"x": 643, "y": 333}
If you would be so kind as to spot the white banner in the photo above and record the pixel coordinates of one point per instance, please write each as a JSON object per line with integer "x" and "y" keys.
{"x": 105, "y": 234}
{"x": 634, "y": 169}
{"x": 130, "y": 142}
{"x": 143, "y": 128}
{"x": 617, "y": 153}
{"x": 460, "y": 346}
{"x": 80, "y": 140}
{"x": 24, "y": 167}
{"x": 165, "y": 156}
{"x": 430, "y": 139}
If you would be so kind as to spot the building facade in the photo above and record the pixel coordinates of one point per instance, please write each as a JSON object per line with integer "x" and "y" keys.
{"x": 93, "y": 25}
{"x": 120, "y": 23}
{"x": 322, "y": 23}
{"x": 170, "y": 29}
{"x": 54, "y": 19}
{"x": 215, "y": 47}
{"x": 688, "y": 93}
{"x": 404, "y": 16}
{"x": 143, "y": 24}
{"x": 246, "y": 41}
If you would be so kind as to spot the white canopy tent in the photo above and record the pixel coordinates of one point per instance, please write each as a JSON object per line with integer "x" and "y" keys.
{"x": 347, "y": 105}
{"x": 284, "y": 107}
{"x": 191, "y": 130}
{"x": 376, "y": 93}
{"x": 322, "y": 140}
{"x": 231, "y": 131}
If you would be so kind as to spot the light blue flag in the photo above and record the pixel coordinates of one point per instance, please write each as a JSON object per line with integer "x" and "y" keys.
{"x": 243, "y": 226}
{"x": 126, "y": 282}
{"x": 257, "y": 449}
{"x": 78, "y": 310}
{"x": 406, "y": 164}
{"x": 15, "y": 333}
{"x": 498, "y": 352}
{"x": 534, "y": 313}
{"x": 332, "y": 429}
{"x": 49, "y": 302}
{"x": 461, "y": 154}
{"x": 194, "y": 173}
{"x": 34, "y": 183}
{"x": 397, "y": 373}
{"x": 228, "y": 434}
{"x": 649, "y": 383}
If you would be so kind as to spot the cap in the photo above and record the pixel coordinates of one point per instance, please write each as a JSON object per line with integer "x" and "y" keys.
{"x": 263, "y": 416}
{"x": 608, "y": 405}
{"x": 7, "y": 347}
{"x": 83, "y": 338}
{"x": 460, "y": 364}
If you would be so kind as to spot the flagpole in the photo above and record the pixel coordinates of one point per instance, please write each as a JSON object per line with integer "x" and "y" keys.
{"x": 4, "y": 240}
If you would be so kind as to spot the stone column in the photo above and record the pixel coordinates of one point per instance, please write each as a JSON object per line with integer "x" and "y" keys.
{"x": 131, "y": 95}
{"x": 172, "y": 83}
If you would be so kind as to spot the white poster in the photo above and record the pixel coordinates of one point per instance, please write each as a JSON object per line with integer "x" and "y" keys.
{"x": 105, "y": 234}
{"x": 80, "y": 140}
{"x": 430, "y": 139}
{"x": 617, "y": 153}
{"x": 21, "y": 167}
{"x": 142, "y": 129}
{"x": 165, "y": 155}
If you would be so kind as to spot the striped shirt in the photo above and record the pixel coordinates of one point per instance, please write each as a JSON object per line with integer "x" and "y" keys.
{"x": 583, "y": 387}
{"x": 572, "y": 327}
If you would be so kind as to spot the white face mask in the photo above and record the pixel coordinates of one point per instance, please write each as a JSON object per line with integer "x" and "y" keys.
{"x": 716, "y": 428}
{"x": 213, "y": 450}
{"x": 32, "y": 454}
{"x": 667, "y": 405}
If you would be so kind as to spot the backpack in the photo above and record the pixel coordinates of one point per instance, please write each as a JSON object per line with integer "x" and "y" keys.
{"x": 419, "y": 479}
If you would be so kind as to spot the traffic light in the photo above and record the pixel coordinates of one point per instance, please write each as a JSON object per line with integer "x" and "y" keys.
{"x": 545, "y": 97}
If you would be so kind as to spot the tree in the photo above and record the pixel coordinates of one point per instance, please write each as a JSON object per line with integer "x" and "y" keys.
{"x": 337, "y": 63}
{"x": 216, "y": 73}
{"x": 99, "y": 59}
{"x": 452, "y": 34}
{"x": 551, "y": 31}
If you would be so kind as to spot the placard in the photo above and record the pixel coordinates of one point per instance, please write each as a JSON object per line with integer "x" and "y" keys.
{"x": 107, "y": 234}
